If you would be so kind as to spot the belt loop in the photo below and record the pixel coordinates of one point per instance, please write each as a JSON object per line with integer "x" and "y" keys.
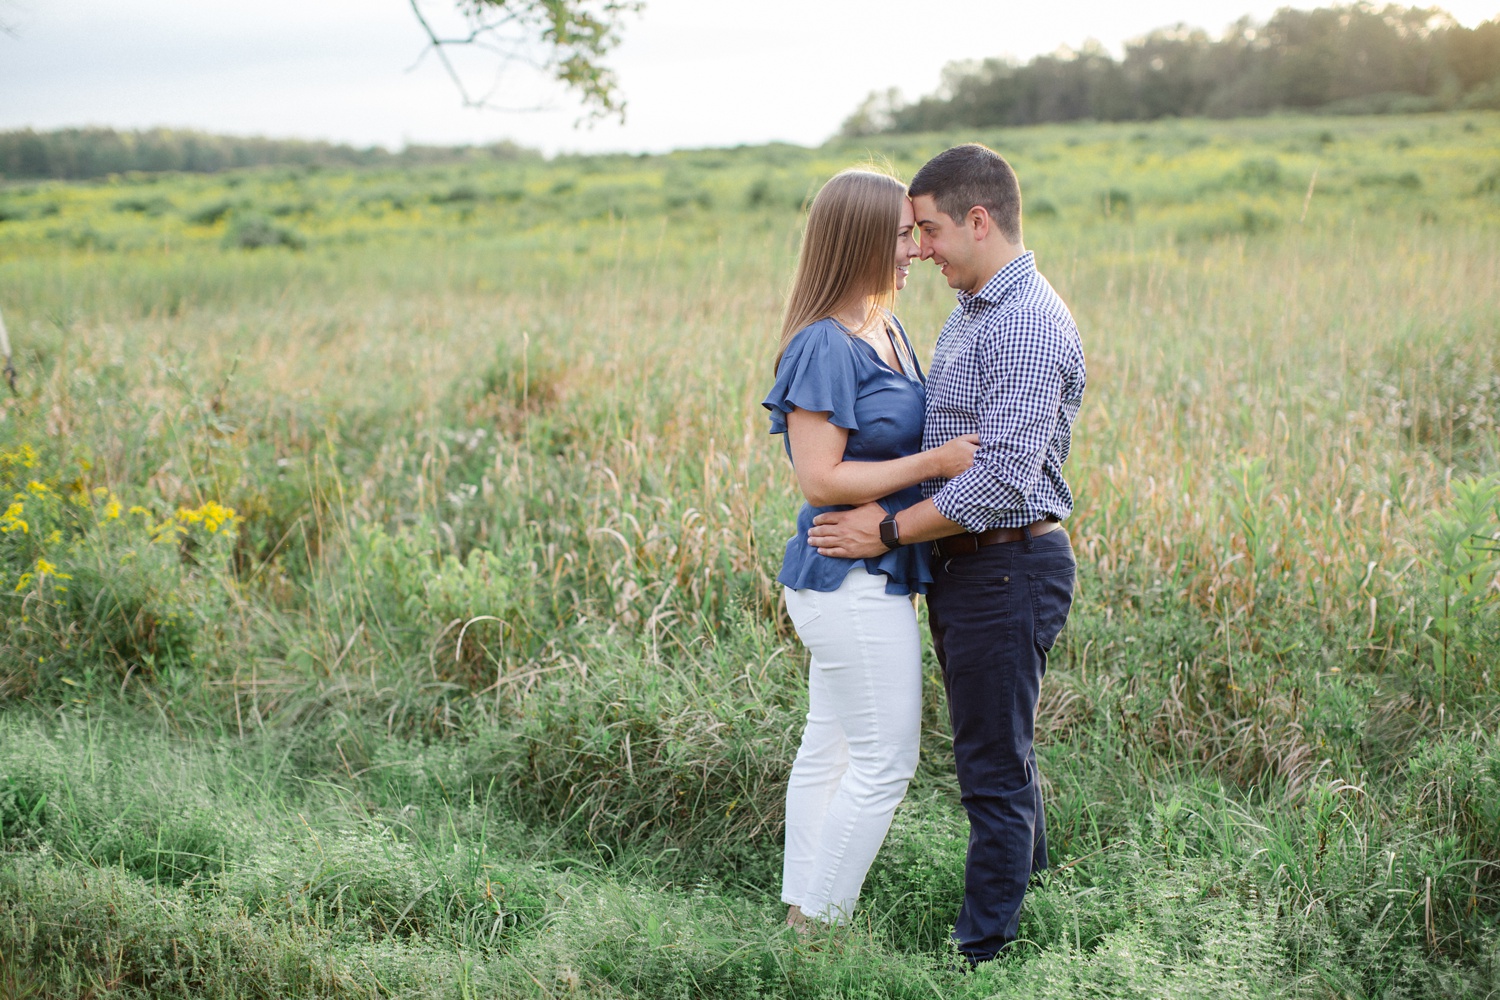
{"x": 1026, "y": 533}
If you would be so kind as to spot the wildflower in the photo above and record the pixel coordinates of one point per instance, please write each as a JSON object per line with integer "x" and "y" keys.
{"x": 11, "y": 520}
{"x": 37, "y": 489}
{"x": 25, "y": 457}
{"x": 211, "y": 515}
{"x": 112, "y": 509}
{"x": 55, "y": 537}
{"x": 22, "y": 583}
{"x": 216, "y": 515}
{"x": 45, "y": 569}
{"x": 138, "y": 509}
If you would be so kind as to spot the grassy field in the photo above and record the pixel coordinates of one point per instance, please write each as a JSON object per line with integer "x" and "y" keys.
{"x": 387, "y": 562}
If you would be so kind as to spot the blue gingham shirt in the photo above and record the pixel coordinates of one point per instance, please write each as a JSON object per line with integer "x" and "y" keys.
{"x": 1009, "y": 367}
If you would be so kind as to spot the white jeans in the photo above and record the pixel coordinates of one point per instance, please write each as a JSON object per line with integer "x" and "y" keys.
{"x": 859, "y": 749}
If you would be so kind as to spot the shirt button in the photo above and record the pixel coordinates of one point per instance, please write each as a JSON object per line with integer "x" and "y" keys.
{"x": 1005, "y": 579}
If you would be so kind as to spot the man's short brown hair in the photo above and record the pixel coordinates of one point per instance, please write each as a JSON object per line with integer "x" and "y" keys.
{"x": 964, "y": 176}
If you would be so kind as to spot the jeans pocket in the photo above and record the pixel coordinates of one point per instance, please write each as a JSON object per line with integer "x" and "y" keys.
{"x": 803, "y": 608}
{"x": 1051, "y": 599}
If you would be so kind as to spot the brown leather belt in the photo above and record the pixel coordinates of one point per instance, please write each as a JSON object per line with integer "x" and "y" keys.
{"x": 968, "y": 544}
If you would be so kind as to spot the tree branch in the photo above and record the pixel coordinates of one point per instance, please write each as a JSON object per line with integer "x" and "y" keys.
{"x": 436, "y": 45}
{"x": 574, "y": 35}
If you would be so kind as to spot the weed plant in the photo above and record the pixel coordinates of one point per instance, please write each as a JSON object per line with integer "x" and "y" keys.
{"x": 387, "y": 579}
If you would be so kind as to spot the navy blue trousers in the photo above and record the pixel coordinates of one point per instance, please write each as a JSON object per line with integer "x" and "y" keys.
{"x": 994, "y": 615}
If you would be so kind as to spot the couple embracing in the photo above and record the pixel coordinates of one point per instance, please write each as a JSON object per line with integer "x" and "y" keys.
{"x": 947, "y": 484}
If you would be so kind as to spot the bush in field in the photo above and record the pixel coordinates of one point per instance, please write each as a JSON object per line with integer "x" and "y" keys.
{"x": 1453, "y": 789}
{"x": 1463, "y": 558}
{"x": 144, "y": 206}
{"x": 254, "y": 231}
{"x": 210, "y": 214}
{"x": 90, "y": 590}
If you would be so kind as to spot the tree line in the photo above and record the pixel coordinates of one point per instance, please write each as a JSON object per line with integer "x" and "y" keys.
{"x": 81, "y": 153}
{"x": 1357, "y": 59}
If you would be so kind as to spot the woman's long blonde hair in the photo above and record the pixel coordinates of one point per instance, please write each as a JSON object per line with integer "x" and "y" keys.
{"x": 848, "y": 249}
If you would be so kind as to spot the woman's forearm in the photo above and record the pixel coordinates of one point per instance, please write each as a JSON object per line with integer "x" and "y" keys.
{"x": 854, "y": 483}
{"x": 827, "y": 479}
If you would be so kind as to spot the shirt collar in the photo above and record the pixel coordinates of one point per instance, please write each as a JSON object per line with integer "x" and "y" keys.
{"x": 994, "y": 290}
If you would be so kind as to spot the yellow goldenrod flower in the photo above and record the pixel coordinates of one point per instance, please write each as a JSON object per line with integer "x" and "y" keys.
{"x": 25, "y": 457}
{"x": 37, "y": 489}
{"x": 45, "y": 569}
{"x": 11, "y": 520}
{"x": 22, "y": 583}
{"x": 55, "y": 537}
{"x": 217, "y": 515}
{"x": 211, "y": 515}
{"x": 112, "y": 509}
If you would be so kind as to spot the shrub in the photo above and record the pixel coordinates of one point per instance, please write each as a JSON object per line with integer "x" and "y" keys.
{"x": 91, "y": 589}
{"x": 1041, "y": 208}
{"x": 254, "y": 231}
{"x": 458, "y": 195}
{"x": 1255, "y": 174}
{"x": 144, "y": 206}
{"x": 1452, "y": 789}
{"x": 1115, "y": 203}
{"x": 211, "y": 214}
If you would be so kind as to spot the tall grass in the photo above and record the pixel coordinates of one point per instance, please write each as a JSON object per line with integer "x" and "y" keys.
{"x": 484, "y": 688}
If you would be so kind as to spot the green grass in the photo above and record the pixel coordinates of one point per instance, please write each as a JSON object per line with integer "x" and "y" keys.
{"x": 486, "y": 689}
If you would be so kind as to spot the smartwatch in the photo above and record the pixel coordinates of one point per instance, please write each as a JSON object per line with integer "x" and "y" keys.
{"x": 890, "y": 532}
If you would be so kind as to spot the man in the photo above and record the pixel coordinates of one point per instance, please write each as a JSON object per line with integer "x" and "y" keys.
{"x": 1008, "y": 366}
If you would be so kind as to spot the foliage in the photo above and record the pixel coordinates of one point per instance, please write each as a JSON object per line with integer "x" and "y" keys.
{"x": 251, "y": 232}
{"x": 89, "y": 589}
{"x": 1355, "y": 58}
{"x": 81, "y": 153}
{"x": 1465, "y": 558}
{"x": 573, "y": 37}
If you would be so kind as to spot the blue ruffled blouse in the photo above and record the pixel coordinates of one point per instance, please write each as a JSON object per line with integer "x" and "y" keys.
{"x": 825, "y": 370}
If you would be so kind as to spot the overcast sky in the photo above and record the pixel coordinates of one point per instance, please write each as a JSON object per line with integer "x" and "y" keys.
{"x": 693, "y": 72}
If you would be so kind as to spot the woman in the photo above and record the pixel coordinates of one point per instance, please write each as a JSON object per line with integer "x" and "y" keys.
{"x": 849, "y": 398}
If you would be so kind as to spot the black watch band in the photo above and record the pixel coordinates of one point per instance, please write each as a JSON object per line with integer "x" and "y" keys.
{"x": 890, "y": 532}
